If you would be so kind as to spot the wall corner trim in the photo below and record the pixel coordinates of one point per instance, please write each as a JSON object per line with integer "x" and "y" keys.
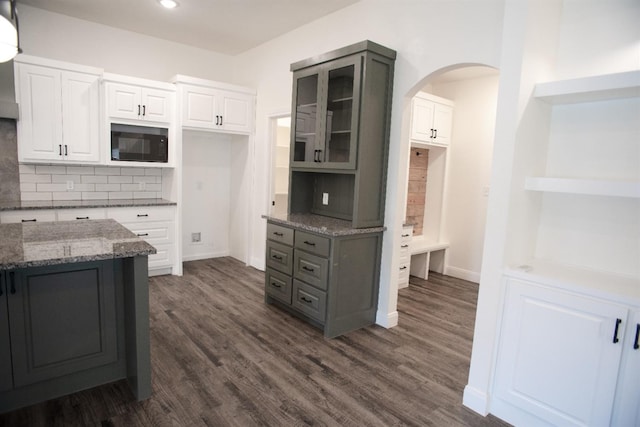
{"x": 476, "y": 400}
{"x": 387, "y": 320}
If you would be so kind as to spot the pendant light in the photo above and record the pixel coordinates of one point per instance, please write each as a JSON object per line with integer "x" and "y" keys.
{"x": 9, "y": 39}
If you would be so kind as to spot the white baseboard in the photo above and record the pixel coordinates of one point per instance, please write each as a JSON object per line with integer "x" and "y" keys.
{"x": 476, "y": 400}
{"x": 196, "y": 257}
{"x": 387, "y": 320}
{"x": 461, "y": 273}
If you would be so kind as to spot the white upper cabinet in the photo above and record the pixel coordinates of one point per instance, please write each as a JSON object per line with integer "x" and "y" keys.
{"x": 431, "y": 119}
{"x": 133, "y": 102}
{"x": 59, "y": 112}
{"x": 215, "y": 106}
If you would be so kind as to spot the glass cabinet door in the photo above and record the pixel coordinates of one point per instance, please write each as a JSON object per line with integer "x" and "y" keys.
{"x": 304, "y": 130}
{"x": 340, "y": 115}
{"x": 326, "y": 107}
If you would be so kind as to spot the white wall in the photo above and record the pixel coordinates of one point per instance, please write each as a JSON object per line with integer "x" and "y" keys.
{"x": 469, "y": 171}
{"x": 459, "y": 32}
{"x": 206, "y": 186}
{"x": 55, "y": 36}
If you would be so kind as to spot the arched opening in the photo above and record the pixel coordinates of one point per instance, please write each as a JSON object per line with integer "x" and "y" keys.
{"x": 451, "y": 131}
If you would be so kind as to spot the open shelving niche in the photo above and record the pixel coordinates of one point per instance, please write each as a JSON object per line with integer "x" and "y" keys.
{"x": 587, "y": 233}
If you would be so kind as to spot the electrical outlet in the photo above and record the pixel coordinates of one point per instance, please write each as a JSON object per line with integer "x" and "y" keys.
{"x": 195, "y": 237}
{"x": 325, "y": 198}
{"x": 142, "y": 186}
{"x": 69, "y": 185}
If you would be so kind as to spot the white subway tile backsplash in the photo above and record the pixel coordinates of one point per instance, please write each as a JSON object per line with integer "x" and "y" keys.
{"x": 93, "y": 179}
{"x": 49, "y": 182}
{"x": 67, "y": 195}
{"x": 50, "y": 169}
{"x": 120, "y": 195}
{"x": 51, "y": 187}
{"x": 120, "y": 179}
{"x": 35, "y": 196}
{"x": 95, "y": 195}
{"x": 65, "y": 178}
{"x": 107, "y": 187}
{"x": 80, "y": 170}
{"x": 107, "y": 171}
{"x": 34, "y": 178}
{"x": 27, "y": 168}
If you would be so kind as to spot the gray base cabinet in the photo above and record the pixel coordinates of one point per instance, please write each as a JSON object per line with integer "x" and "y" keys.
{"x": 331, "y": 281}
{"x": 6, "y": 372}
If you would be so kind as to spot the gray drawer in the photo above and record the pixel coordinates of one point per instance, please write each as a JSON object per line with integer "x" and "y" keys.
{"x": 312, "y": 243}
{"x": 278, "y": 285}
{"x": 311, "y": 269}
{"x": 279, "y": 257}
{"x": 280, "y": 234}
{"x": 309, "y": 300}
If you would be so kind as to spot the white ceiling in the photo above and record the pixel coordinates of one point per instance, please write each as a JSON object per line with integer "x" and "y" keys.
{"x": 224, "y": 26}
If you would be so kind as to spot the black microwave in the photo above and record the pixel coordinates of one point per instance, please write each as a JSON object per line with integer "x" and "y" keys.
{"x": 139, "y": 143}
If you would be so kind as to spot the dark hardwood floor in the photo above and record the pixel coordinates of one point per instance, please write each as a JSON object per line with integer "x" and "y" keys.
{"x": 220, "y": 357}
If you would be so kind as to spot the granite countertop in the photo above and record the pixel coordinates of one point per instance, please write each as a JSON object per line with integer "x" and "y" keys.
{"x": 73, "y": 204}
{"x": 51, "y": 243}
{"x": 321, "y": 224}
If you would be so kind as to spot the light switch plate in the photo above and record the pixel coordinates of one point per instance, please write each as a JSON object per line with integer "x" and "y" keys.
{"x": 325, "y": 198}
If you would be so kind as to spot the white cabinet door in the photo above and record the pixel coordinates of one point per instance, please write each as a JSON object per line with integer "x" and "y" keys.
{"x": 125, "y": 101}
{"x": 200, "y": 107}
{"x": 557, "y": 358}
{"x": 442, "y": 122}
{"x": 627, "y": 409}
{"x": 81, "y": 117}
{"x": 235, "y": 113}
{"x": 26, "y": 216}
{"x": 421, "y": 119}
{"x": 156, "y": 105}
{"x": 40, "y": 124}
{"x": 431, "y": 121}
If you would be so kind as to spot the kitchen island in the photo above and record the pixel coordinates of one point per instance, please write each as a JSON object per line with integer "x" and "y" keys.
{"x": 74, "y": 310}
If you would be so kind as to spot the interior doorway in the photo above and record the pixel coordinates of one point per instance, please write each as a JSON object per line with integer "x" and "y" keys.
{"x": 448, "y": 187}
{"x": 280, "y": 142}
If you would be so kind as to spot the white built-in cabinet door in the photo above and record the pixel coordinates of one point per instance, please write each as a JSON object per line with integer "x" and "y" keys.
{"x": 431, "y": 121}
{"x": 40, "y": 123}
{"x": 59, "y": 115}
{"x": 81, "y": 117}
{"x": 138, "y": 103}
{"x": 216, "y": 109}
{"x": 627, "y": 409}
{"x": 558, "y": 357}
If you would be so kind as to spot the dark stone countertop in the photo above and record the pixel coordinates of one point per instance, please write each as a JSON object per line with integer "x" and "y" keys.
{"x": 51, "y": 243}
{"x": 321, "y": 224}
{"x": 75, "y": 204}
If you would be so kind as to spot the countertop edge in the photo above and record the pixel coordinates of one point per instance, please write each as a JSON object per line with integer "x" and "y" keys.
{"x": 83, "y": 204}
{"x": 326, "y": 230}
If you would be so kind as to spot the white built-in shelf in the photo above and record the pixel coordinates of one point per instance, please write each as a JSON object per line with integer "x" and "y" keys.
{"x": 588, "y": 89}
{"x": 601, "y": 284}
{"x": 629, "y": 189}
{"x": 420, "y": 245}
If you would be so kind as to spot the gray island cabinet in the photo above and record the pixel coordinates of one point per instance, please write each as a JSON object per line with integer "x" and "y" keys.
{"x": 73, "y": 310}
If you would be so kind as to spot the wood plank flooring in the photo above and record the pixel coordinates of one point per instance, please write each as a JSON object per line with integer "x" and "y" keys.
{"x": 221, "y": 357}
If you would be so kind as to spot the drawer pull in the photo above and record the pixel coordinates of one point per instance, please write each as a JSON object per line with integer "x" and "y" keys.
{"x": 404, "y": 267}
{"x": 278, "y": 257}
{"x": 615, "y": 331}
{"x": 406, "y": 235}
{"x": 304, "y": 299}
{"x": 636, "y": 344}
{"x": 306, "y": 242}
{"x": 142, "y": 215}
{"x": 304, "y": 267}
{"x": 276, "y": 285}
{"x": 82, "y": 217}
{"x": 404, "y": 246}
{"x": 276, "y": 233}
{"x": 29, "y": 220}
{"x": 142, "y": 234}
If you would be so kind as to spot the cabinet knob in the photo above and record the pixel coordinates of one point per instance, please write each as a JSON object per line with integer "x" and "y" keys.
{"x": 615, "y": 331}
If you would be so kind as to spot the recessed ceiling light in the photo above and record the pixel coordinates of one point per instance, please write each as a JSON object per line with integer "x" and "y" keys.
{"x": 169, "y": 4}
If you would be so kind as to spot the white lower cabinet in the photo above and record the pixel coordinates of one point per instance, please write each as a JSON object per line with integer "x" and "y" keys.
{"x": 12, "y": 217}
{"x": 154, "y": 224}
{"x": 566, "y": 359}
{"x": 405, "y": 256}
